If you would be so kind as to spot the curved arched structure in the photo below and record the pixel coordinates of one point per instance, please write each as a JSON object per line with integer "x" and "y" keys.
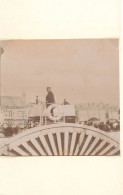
{"x": 59, "y": 140}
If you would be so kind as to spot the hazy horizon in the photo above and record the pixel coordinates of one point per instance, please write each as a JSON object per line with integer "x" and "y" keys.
{"x": 85, "y": 70}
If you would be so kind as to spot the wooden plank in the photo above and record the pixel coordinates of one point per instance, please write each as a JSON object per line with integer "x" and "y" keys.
{"x": 86, "y": 144}
{"x": 107, "y": 149}
{"x": 56, "y": 142}
{"x": 99, "y": 147}
{"x": 66, "y": 143}
{"x": 114, "y": 151}
{"x": 18, "y": 150}
{"x": 79, "y": 143}
{"x": 50, "y": 135}
{"x": 76, "y": 142}
{"x": 69, "y": 142}
{"x": 35, "y": 143}
{"x": 74, "y": 134}
{"x": 49, "y": 144}
{"x": 92, "y": 145}
{"x": 41, "y": 145}
{"x": 33, "y": 153}
{"x": 43, "y": 140}
{"x": 62, "y": 142}
{"x": 59, "y": 142}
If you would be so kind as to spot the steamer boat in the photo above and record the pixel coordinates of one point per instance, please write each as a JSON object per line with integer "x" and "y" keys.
{"x": 55, "y": 130}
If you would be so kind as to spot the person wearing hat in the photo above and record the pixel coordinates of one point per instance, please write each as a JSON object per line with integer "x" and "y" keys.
{"x": 37, "y": 100}
{"x": 50, "y": 97}
{"x": 65, "y": 102}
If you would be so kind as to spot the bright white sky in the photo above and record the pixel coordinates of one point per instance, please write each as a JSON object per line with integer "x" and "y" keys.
{"x": 78, "y": 70}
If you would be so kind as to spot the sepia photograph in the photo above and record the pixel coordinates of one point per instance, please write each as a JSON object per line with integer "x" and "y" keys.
{"x": 59, "y": 97}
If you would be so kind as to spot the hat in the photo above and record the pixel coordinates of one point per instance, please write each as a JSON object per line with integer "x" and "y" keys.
{"x": 48, "y": 88}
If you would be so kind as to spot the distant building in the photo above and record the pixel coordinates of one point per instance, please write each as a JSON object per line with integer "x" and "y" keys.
{"x": 98, "y": 110}
{"x": 14, "y": 108}
{"x": 13, "y": 101}
{"x": 16, "y": 115}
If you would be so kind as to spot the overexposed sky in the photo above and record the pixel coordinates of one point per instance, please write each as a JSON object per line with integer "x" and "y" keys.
{"x": 82, "y": 70}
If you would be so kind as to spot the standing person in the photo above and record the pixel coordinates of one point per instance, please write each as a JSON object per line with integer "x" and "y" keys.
{"x": 50, "y": 97}
{"x": 37, "y": 100}
{"x": 65, "y": 102}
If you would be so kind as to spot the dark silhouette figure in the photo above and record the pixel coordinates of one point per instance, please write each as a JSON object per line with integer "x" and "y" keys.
{"x": 50, "y": 97}
{"x": 65, "y": 102}
{"x": 37, "y": 100}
